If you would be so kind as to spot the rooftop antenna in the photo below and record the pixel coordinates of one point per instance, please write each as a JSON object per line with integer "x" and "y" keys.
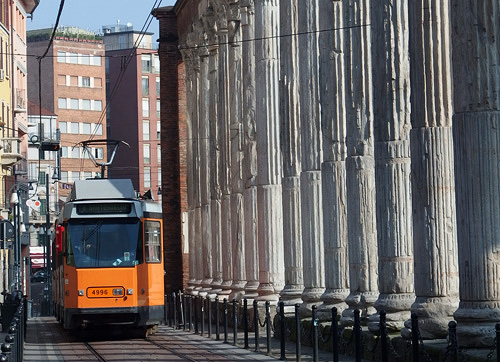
{"x": 103, "y": 142}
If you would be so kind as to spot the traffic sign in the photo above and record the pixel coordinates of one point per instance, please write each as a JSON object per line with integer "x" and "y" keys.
{"x": 6, "y": 230}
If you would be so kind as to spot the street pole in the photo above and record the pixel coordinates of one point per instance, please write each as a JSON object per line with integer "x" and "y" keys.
{"x": 48, "y": 279}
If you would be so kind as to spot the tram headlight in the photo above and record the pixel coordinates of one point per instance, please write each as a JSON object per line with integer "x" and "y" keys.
{"x": 117, "y": 292}
{"x": 81, "y": 292}
{"x": 130, "y": 291}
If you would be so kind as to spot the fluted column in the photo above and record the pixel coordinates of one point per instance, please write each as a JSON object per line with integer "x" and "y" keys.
{"x": 215, "y": 156}
{"x": 432, "y": 168}
{"x": 360, "y": 163}
{"x": 311, "y": 155}
{"x": 188, "y": 58}
{"x": 269, "y": 204}
{"x": 391, "y": 100}
{"x": 236, "y": 140}
{"x": 289, "y": 93}
{"x": 204, "y": 147}
{"x": 223, "y": 109}
{"x": 476, "y": 136}
{"x": 333, "y": 173}
{"x": 249, "y": 148}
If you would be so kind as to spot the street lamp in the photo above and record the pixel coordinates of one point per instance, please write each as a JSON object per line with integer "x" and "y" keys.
{"x": 14, "y": 202}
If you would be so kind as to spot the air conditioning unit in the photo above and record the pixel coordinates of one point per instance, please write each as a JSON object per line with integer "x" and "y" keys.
{"x": 2, "y": 75}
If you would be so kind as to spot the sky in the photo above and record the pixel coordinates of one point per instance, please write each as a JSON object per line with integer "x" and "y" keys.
{"x": 93, "y": 14}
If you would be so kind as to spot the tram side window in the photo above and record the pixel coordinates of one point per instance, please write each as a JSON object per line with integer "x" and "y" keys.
{"x": 152, "y": 241}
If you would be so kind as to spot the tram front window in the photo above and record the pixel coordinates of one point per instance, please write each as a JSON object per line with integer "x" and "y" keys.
{"x": 95, "y": 243}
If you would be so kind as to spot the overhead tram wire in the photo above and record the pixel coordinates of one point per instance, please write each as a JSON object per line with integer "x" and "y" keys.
{"x": 39, "y": 59}
{"x": 128, "y": 58}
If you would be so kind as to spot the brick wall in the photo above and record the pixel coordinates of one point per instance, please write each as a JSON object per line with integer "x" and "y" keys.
{"x": 173, "y": 149}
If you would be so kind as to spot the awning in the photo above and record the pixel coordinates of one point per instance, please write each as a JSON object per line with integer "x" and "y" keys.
{"x": 37, "y": 256}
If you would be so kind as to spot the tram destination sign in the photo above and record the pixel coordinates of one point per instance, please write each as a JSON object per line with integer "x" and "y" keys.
{"x": 104, "y": 208}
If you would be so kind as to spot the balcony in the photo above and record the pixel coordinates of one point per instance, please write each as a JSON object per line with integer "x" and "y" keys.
{"x": 10, "y": 151}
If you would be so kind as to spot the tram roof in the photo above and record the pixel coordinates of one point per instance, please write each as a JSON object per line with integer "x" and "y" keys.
{"x": 102, "y": 189}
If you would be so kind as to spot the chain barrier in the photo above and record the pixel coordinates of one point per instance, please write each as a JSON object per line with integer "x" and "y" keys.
{"x": 422, "y": 345}
{"x": 494, "y": 347}
{"x": 180, "y": 312}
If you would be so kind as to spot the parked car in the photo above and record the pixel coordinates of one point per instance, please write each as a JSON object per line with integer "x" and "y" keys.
{"x": 38, "y": 276}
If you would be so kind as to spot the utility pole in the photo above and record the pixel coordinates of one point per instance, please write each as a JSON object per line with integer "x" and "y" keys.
{"x": 47, "y": 288}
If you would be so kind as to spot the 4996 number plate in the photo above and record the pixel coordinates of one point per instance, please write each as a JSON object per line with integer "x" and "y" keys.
{"x": 106, "y": 292}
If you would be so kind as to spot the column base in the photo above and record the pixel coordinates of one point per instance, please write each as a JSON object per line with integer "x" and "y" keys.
{"x": 397, "y": 308}
{"x": 266, "y": 293}
{"x": 434, "y": 314}
{"x": 332, "y": 298}
{"x": 363, "y": 301}
{"x": 476, "y": 323}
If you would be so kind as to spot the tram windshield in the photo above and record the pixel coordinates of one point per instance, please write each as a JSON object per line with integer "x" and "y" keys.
{"x": 92, "y": 243}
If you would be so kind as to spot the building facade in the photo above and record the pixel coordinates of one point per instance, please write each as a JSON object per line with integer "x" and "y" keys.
{"x": 72, "y": 85}
{"x": 339, "y": 154}
{"x": 13, "y": 138}
{"x": 133, "y": 106}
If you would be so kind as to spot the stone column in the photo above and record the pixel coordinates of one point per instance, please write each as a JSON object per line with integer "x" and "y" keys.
{"x": 188, "y": 56}
{"x": 249, "y": 148}
{"x": 311, "y": 155}
{"x": 269, "y": 204}
{"x": 476, "y": 137}
{"x": 289, "y": 94}
{"x": 204, "y": 147}
{"x": 236, "y": 135}
{"x": 333, "y": 174}
{"x": 223, "y": 109}
{"x": 360, "y": 163}
{"x": 215, "y": 156}
{"x": 391, "y": 103}
{"x": 432, "y": 168}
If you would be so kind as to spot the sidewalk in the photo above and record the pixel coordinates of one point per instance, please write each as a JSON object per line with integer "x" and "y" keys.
{"x": 275, "y": 347}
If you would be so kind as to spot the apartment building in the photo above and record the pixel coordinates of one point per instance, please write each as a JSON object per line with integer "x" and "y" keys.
{"x": 72, "y": 85}
{"x": 13, "y": 138}
{"x": 133, "y": 98}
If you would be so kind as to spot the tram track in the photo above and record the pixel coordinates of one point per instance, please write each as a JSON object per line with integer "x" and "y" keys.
{"x": 136, "y": 354}
{"x": 94, "y": 352}
{"x": 171, "y": 350}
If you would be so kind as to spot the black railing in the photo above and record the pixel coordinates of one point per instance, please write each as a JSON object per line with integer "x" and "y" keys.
{"x": 12, "y": 348}
{"x": 349, "y": 340}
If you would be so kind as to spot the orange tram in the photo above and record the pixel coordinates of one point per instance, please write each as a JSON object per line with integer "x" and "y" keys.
{"x": 107, "y": 265}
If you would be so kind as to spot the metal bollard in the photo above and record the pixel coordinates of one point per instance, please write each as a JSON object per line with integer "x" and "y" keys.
{"x": 190, "y": 299}
{"x": 209, "y": 312}
{"x": 298, "y": 333}
{"x": 452, "y": 333}
{"x": 184, "y": 311}
{"x": 282, "y": 330}
{"x": 497, "y": 331}
{"x": 414, "y": 337}
{"x": 175, "y": 310}
{"x": 217, "y": 319}
{"x": 195, "y": 312}
{"x": 383, "y": 335}
{"x": 256, "y": 325}
{"x": 268, "y": 327}
{"x": 202, "y": 316}
{"x": 335, "y": 335}
{"x": 166, "y": 307}
{"x": 225, "y": 320}
{"x": 315, "y": 334}
{"x": 235, "y": 322}
{"x": 245, "y": 323}
{"x": 357, "y": 335}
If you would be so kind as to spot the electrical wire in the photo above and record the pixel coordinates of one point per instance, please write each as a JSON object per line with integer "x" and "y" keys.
{"x": 59, "y": 13}
{"x": 127, "y": 61}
